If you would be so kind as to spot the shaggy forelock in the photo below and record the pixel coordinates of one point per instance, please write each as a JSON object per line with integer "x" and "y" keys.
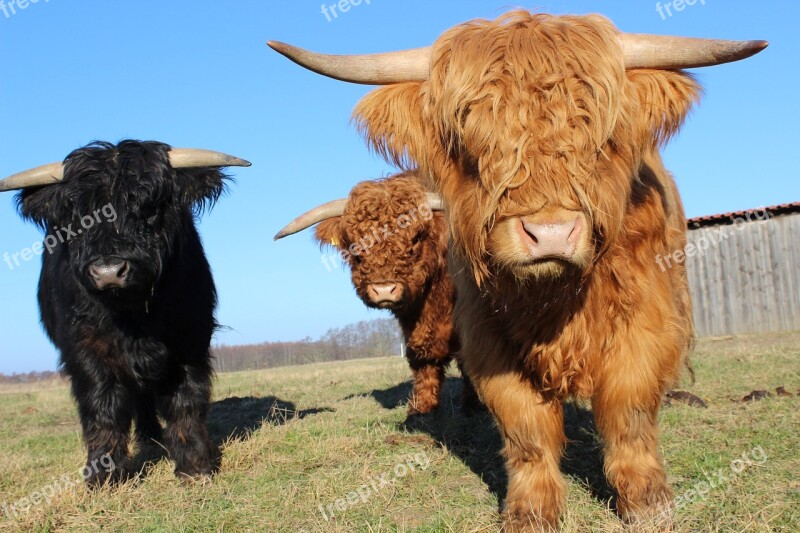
{"x": 531, "y": 95}
{"x": 381, "y": 202}
{"x": 527, "y": 104}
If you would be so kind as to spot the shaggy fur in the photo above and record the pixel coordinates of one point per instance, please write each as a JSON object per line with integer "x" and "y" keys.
{"x": 531, "y": 118}
{"x": 133, "y": 352}
{"x": 395, "y": 237}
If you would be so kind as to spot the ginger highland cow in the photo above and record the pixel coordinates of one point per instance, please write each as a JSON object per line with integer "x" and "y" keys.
{"x": 543, "y": 135}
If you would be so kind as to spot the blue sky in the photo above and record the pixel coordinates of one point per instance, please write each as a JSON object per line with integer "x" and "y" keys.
{"x": 198, "y": 74}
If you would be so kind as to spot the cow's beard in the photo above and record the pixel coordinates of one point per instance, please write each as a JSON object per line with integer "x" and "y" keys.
{"x": 542, "y": 270}
{"x": 528, "y": 279}
{"x": 532, "y": 307}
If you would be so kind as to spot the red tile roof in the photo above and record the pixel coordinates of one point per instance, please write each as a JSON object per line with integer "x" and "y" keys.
{"x": 729, "y": 218}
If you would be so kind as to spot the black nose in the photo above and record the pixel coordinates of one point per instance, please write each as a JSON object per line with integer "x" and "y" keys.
{"x": 109, "y": 273}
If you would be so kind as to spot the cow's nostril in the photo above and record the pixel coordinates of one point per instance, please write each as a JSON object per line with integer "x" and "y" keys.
{"x": 530, "y": 230}
{"x": 575, "y": 234}
{"x": 122, "y": 272}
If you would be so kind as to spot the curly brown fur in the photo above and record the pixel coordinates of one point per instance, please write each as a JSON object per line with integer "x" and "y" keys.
{"x": 528, "y": 119}
{"x": 389, "y": 235}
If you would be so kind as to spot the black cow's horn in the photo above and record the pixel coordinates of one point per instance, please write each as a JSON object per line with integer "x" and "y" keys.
{"x": 178, "y": 158}
{"x": 43, "y": 175}
{"x": 195, "y": 157}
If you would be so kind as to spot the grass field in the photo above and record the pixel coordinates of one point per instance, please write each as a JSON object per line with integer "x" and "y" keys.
{"x": 323, "y": 448}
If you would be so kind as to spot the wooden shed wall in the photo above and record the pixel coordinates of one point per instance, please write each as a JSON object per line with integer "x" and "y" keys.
{"x": 748, "y": 282}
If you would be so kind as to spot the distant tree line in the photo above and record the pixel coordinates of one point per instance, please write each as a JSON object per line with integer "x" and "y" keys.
{"x": 29, "y": 377}
{"x": 372, "y": 338}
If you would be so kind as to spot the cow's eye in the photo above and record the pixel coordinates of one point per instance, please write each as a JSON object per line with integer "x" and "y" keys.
{"x": 469, "y": 165}
{"x": 417, "y": 238}
{"x": 356, "y": 259}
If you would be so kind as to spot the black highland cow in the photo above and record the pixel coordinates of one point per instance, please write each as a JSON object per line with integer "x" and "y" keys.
{"x": 128, "y": 297}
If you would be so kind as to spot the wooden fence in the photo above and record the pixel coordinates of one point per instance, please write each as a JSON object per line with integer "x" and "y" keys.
{"x": 744, "y": 272}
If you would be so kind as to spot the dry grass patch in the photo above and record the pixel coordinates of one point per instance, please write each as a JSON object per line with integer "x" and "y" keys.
{"x": 298, "y": 440}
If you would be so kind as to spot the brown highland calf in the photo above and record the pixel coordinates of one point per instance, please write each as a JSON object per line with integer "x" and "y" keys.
{"x": 395, "y": 241}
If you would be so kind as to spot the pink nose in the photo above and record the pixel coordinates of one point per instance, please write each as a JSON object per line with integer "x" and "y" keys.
{"x": 552, "y": 239}
{"x": 384, "y": 292}
{"x": 109, "y": 273}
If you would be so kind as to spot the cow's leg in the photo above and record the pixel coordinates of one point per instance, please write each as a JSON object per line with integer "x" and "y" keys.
{"x": 625, "y": 408}
{"x": 104, "y": 406}
{"x": 428, "y": 378}
{"x": 469, "y": 397}
{"x": 532, "y": 426}
{"x": 185, "y": 411}
{"x": 533, "y": 434}
{"x": 148, "y": 428}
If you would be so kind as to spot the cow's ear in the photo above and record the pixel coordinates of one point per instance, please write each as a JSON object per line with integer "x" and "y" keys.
{"x": 390, "y": 120}
{"x": 200, "y": 188}
{"x": 329, "y": 233}
{"x": 44, "y": 206}
{"x": 664, "y": 99}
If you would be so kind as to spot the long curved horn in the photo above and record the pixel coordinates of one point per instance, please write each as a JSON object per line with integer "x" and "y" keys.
{"x": 639, "y": 51}
{"x": 435, "y": 201}
{"x": 664, "y": 52}
{"x": 371, "y": 69}
{"x": 178, "y": 158}
{"x": 43, "y": 175}
{"x": 334, "y": 208}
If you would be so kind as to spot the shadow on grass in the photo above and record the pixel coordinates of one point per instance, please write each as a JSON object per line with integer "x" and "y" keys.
{"x": 236, "y": 418}
{"x": 392, "y": 397}
{"x": 229, "y": 419}
{"x": 476, "y": 441}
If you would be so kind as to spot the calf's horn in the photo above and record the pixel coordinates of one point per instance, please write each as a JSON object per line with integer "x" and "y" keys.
{"x": 178, "y": 158}
{"x": 639, "y": 51}
{"x": 435, "y": 201}
{"x": 335, "y": 208}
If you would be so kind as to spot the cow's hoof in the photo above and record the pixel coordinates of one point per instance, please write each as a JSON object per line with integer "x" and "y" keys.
{"x": 529, "y": 523}
{"x": 194, "y": 479}
{"x": 519, "y": 517}
{"x": 417, "y": 407}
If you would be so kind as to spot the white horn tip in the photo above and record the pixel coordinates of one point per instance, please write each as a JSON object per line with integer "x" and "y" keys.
{"x": 237, "y": 162}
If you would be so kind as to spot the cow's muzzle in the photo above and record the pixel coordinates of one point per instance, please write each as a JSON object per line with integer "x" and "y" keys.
{"x": 109, "y": 273}
{"x": 387, "y": 295}
{"x": 557, "y": 237}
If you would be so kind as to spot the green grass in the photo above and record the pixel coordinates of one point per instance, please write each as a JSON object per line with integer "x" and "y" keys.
{"x": 300, "y": 437}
